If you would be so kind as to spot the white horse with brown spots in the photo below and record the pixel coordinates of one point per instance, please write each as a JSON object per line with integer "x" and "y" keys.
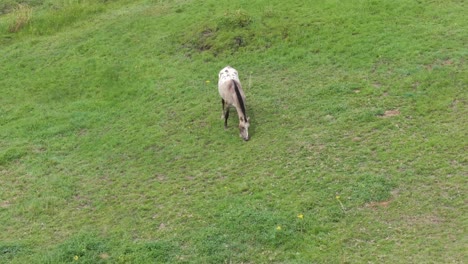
{"x": 231, "y": 92}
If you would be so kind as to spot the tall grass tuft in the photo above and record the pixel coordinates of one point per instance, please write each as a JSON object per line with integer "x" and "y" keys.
{"x": 22, "y": 15}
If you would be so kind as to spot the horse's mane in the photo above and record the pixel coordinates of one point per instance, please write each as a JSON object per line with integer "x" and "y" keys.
{"x": 239, "y": 98}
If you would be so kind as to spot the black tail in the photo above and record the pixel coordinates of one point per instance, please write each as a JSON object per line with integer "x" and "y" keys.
{"x": 241, "y": 101}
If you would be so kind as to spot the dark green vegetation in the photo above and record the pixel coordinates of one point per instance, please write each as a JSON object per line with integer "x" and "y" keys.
{"x": 112, "y": 149}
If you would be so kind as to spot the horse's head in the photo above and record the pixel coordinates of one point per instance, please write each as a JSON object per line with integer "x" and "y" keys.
{"x": 244, "y": 128}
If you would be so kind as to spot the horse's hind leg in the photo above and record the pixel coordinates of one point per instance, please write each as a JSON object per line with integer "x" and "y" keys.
{"x": 226, "y": 116}
{"x": 225, "y": 112}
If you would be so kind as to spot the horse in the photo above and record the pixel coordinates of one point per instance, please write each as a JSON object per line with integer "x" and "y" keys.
{"x": 231, "y": 92}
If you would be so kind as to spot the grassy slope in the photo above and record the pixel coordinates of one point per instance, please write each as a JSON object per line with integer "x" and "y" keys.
{"x": 112, "y": 150}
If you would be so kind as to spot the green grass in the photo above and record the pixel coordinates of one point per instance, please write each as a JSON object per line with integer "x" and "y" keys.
{"x": 112, "y": 149}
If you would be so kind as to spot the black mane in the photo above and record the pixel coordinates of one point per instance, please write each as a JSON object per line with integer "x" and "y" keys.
{"x": 239, "y": 98}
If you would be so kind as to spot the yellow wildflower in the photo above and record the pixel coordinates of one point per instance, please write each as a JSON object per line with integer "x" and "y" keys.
{"x": 300, "y": 216}
{"x": 76, "y": 258}
{"x": 278, "y": 228}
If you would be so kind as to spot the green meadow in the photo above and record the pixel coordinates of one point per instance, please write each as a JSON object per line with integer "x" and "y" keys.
{"x": 112, "y": 149}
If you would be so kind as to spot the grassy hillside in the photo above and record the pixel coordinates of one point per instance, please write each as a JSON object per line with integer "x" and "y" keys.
{"x": 112, "y": 149}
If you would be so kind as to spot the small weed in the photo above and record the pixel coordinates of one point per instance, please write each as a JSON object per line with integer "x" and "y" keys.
{"x": 300, "y": 218}
{"x": 338, "y": 198}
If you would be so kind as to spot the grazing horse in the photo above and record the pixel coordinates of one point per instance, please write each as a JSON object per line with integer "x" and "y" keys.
{"x": 231, "y": 92}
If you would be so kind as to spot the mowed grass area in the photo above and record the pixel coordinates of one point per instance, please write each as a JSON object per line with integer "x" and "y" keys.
{"x": 112, "y": 149}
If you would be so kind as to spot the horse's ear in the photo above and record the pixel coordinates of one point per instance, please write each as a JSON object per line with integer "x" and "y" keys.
{"x": 248, "y": 119}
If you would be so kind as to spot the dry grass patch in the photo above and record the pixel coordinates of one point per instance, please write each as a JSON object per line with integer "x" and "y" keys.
{"x": 22, "y": 16}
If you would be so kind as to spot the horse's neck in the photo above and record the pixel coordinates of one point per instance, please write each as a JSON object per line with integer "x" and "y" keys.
{"x": 238, "y": 107}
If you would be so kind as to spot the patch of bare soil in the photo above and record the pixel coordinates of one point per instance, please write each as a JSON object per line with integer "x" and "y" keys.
{"x": 390, "y": 113}
{"x": 5, "y": 204}
{"x": 447, "y": 62}
{"x": 378, "y": 204}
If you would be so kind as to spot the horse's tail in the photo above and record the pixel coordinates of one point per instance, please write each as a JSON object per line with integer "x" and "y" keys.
{"x": 241, "y": 101}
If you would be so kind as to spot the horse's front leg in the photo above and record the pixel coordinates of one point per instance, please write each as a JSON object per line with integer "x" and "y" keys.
{"x": 222, "y": 104}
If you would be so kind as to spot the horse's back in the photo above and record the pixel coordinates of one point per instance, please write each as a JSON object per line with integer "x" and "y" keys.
{"x": 225, "y": 83}
{"x": 226, "y": 74}
{"x": 227, "y": 91}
